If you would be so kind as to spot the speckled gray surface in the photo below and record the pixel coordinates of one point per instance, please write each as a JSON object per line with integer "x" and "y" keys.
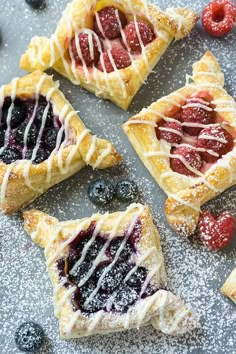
{"x": 193, "y": 272}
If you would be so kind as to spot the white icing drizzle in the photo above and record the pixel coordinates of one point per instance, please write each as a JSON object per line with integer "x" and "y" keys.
{"x": 5, "y": 181}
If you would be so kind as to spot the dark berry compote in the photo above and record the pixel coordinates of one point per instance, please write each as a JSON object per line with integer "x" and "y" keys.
{"x": 104, "y": 272}
{"x": 28, "y": 130}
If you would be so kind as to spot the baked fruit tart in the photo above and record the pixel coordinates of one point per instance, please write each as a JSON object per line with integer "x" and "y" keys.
{"x": 42, "y": 140}
{"x": 187, "y": 142}
{"x": 109, "y": 47}
{"x": 108, "y": 273}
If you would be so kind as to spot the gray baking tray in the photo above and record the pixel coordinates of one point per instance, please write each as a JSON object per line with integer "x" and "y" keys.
{"x": 194, "y": 273}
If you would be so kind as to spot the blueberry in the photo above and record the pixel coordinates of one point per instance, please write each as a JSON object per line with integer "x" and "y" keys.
{"x": 50, "y": 139}
{"x": 36, "y": 4}
{"x": 113, "y": 277}
{"x": 9, "y": 155}
{"x": 126, "y": 251}
{"x": 2, "y": 137}
{"x": 29, "y": 337}
{"x": 126, "y": 190}
{"x": 82, "y": 294}
{"x": 41, "y": 155}
{"x": 97, "y": 303}
{"x": 124, "y": 298}
{"x": 31, "y": 137}
{"x": 137, "y": 279}
{"x": 17, "y": 116}
{"x": 149, "y": 291}
{"x": 100, "y": 192}
{"x": 78, "y": 272}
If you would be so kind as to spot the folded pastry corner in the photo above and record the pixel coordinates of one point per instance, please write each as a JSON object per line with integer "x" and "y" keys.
{"x": 42, "y": 140}
{"x": 229, "y": 287}
{"x": 108, "y": 273}
{"x": 187, "y": 142}
{"x": 109, "y": 47}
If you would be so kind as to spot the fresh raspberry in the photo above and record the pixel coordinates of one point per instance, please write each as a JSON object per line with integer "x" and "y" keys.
{"x": 169, "y": 131}
{"x": 216, "y": 139}
{"x": 218, "y": 17}
{"x": 109, "y": 22}
{"x": 90, "y": 55}
{"x": 146, "y": 35}
{"x": 190, "y": 156}
{"x": 216, "y": 232}
{"x": 121, "y": 59}
{"x": 196, "y": 114}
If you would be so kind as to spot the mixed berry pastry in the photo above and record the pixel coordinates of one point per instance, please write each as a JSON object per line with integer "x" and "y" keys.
{"x": 187, "y": 142}
{"x": 229, "y": 287}
{"x": 109, "y": 47}
{"x": 108, "y": 273}
{"x": 42, "y": 140}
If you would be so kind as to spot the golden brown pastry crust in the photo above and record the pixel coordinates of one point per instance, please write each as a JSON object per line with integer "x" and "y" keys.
{"x": 19, "y": 189}
{"x": 165, "y": 311}
{"x": 229, "y": 287}
{"x": 119, "y": 87}
{"x": 185, "y": 194}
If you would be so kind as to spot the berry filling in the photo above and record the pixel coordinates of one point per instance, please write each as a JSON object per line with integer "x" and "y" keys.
{"x": 216, "y": 232}
{"x": 108, "y": 22}
{"x": 217, "y": 140}
{"x": 186, "y": 162}
{"x": 138, "y": 35}
{"x": 29, "y": 130}
{"x": 104, "y": 272}
{"x": 196, "y": 112}
{"x": 85, "y": 50}
{"x": 219, "y": 17}
{"x": 111, "y": 40}
{"x": 197, "y": 136}
{"x": 170, "y": 131}
{"x": 117, "y": 58}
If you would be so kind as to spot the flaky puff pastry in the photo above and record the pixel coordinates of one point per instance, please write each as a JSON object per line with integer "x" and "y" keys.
{"x": 229, "y": 287}
{"x": 186, "y": 194}
{"x": 119, "y": 86}
{"x": 22, "y": 181}
{"x": 165, "y": 311}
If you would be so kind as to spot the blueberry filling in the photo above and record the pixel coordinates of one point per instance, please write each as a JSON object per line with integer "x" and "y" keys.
{"x": 112, "y": 285}
{"x": 28, "y": 124}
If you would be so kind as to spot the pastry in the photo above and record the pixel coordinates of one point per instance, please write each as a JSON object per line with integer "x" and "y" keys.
{"x": 186, "y": 140}
{"x": 108, "y": 273}
{"x": 229, "y": 287}
{"x": 109, "y": 47}
{"x": 42, "y": 141}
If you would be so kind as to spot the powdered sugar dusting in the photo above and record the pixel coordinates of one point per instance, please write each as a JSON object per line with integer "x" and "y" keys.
{"x": 193, "y": 272}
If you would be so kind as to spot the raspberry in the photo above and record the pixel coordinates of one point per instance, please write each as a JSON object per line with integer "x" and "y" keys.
{"x": 121, "y": 60}
{"x": 109, "y": 22}
{"x": 217, "y": 139}
{"x": 90, "y": 55}
{"x": 195, "y": 114}
{"x": 218, "y": 17}
{"x": 216, "y": 233}
{"x": 132, "y": 37}
{"x": 172, "y": 136}
{"x": 190, "y": 156}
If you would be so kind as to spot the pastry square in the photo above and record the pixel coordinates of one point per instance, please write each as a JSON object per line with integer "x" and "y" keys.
{"x": 109, "y": 47}
{"x": 229, "y": 287}
{"x": 187, "y": 142}
{"x": 42, "y": 140}
{"x": 108, "y": 273}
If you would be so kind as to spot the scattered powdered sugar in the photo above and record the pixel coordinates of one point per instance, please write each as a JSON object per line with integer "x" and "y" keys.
{"x": 193, "y": 272}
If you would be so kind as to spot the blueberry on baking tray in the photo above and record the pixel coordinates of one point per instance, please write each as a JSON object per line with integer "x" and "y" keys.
{"x": 100, "y": 192}
{"x": 126, "y": 190}
{"x": 29, "y": 337}
{"x": 9, "y": 155}
{"x": 36, "y": 4}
